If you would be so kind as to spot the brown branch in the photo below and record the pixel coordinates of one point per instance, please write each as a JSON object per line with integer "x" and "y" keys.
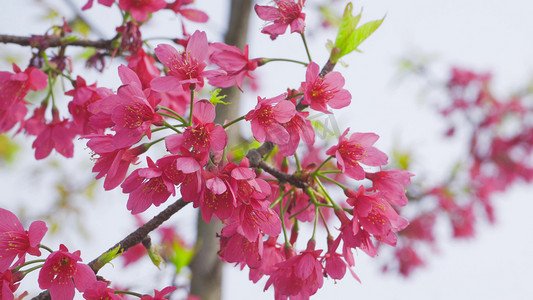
{"x": 42, "y": 42}
{"x": 132, "y": 239}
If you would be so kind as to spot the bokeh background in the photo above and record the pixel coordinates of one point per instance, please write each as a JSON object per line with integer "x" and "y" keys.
{"x": 485, "y": 36}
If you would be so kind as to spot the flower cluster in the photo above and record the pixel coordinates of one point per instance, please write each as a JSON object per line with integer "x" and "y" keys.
{"x": 262, "y": 197}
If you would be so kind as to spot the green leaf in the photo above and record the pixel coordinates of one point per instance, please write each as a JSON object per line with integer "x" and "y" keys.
{"x": 155, "y": 257}
{"x": 109, "y": 256}
{"x": 349, "y": 37}
{"x": 8, "y": 149}
{"x": 181, "y": 256}
{"x": 216, "y": 98}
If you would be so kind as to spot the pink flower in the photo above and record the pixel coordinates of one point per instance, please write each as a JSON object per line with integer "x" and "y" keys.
{"x": 203, "y": 136}
{"x": 112, "y": 162}
{"x": 160, "y": 295}
{"x": 375, "y": 214}
{"x": 217, "y": 196}
{"x": 58, "y": 135}
{"x": 267, "y": 117}
{"x": 186, "y": 68}
{"x": 408, "y": 260}
{"x": 99, "y": 291}
{"x": 298, "y": 128}
{"x": 147, "y": 186}
{"x": 139, "y": 9}
{"x": 15, "y": 241}
{"x": 235, "y": 248}
{"x": 299, "y": 276}
{"x": 357, "y": 149}
{"x": 272, "y": 254}
{"x": 62, "y": 273}
{"x": 188, "y": 13}
{"x": 84, "y": 95}
{"x": 131, "y": 111}
{"x": 286, "y": 13}
{"x": 15, "y": 86}
{"x": 320, "y": 92}
{"x": 392, "y": 184}
{"x": 143, "y": 65}
{"x": 8, "y": 285}
{"x": 89, "y": 3}
{"x": 234, "y": 61}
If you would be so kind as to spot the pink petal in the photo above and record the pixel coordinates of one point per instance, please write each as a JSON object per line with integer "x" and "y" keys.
{"x": 128, "y": 76}
{"x": 84, "y": 277}
{"x": 165, "y": 84}
{"x": 194, "y": 15}
{"x": 204, "y": 111}
{"x": 167, "y": 54}
{"x": 9, "y": 222}
{"x": 197, "y": 46}
{"x": 36, "y": 232}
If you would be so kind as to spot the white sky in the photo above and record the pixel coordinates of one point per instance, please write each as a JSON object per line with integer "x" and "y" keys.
{"x": 485, "y": 35}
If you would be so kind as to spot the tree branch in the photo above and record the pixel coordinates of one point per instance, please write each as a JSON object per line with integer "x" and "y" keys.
{"x": 132, "y": 239}
{"x": 44, "y": 42}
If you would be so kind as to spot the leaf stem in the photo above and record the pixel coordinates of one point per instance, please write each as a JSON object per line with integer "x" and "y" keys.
{"x": 306, "y": 48}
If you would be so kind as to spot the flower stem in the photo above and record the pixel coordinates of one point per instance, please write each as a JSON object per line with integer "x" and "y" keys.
{"x": 233, "y": 122}
{"x": 306, "y": 48}
{"x": 192, "y": 104}
{"x": 267, "y": 60}
{"x": 173, "y": 113}
{"x": 330, "y": 200}
{"x": 46, "y": 248}
{"x": 25, "y": 272}
{"x": 322, "y": 165}
{"x": 342, "y": 186}
{"x": 171, "y": 127}
{"x": 298, "y": 165}
{"x": 129, "y": 293}
{"x": 287, "y": 243}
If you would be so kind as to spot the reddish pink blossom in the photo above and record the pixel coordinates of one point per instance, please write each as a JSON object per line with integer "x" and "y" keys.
{"x": 58, "y": 135}
{"x": 15, "y": 241}
{"x": 217, "y": 196}
{"x": 299, "y": 276}
{"x": 408, "y": 260}
{"x": 111, "y": 161}
{"x": 143, "y": 65}
{"x": 147, "y": 186}
{"x": 203, "y": 136}
{"x": 335, "y": 266}
{"x": 84, "y": 95}
{"x": 354, "y": 236}
{"x": 235, "y": 248}
{"x": 131, "y": 111}
{"x": 392, "y": 184}
{"x": 463, "y": 220}
{"x": 99, "y": 290}
{"x": 321, "y": 92}
{"x": 375, "y": 214}
{"x": 287, "y": 12}
{"x": 160, "y": 295}
{"x": 267, "y": 117}
{"x": 11, "y": 116}
{"x": 188, "y": 13}
{"x": 298, "y": 128}
{"x": 16, "y": 85}
{"x": 186, "y": 68}
{"x": 234, "y": 61}
{"x": 89, "y": 3}
{"x": 355, "y": 150}
{"x": 272, "y": 254}
{"x": 62, "y": 273}
{"x": 256, "y": 219}
{"x": 8, "y": 285}
{"x": 139, "y": 9}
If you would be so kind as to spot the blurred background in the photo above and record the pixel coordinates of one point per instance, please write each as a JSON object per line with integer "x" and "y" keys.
{"x": 484, "y": 36}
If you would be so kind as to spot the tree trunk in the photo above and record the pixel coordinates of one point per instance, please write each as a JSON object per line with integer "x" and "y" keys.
{"x": 206, "y": 268}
